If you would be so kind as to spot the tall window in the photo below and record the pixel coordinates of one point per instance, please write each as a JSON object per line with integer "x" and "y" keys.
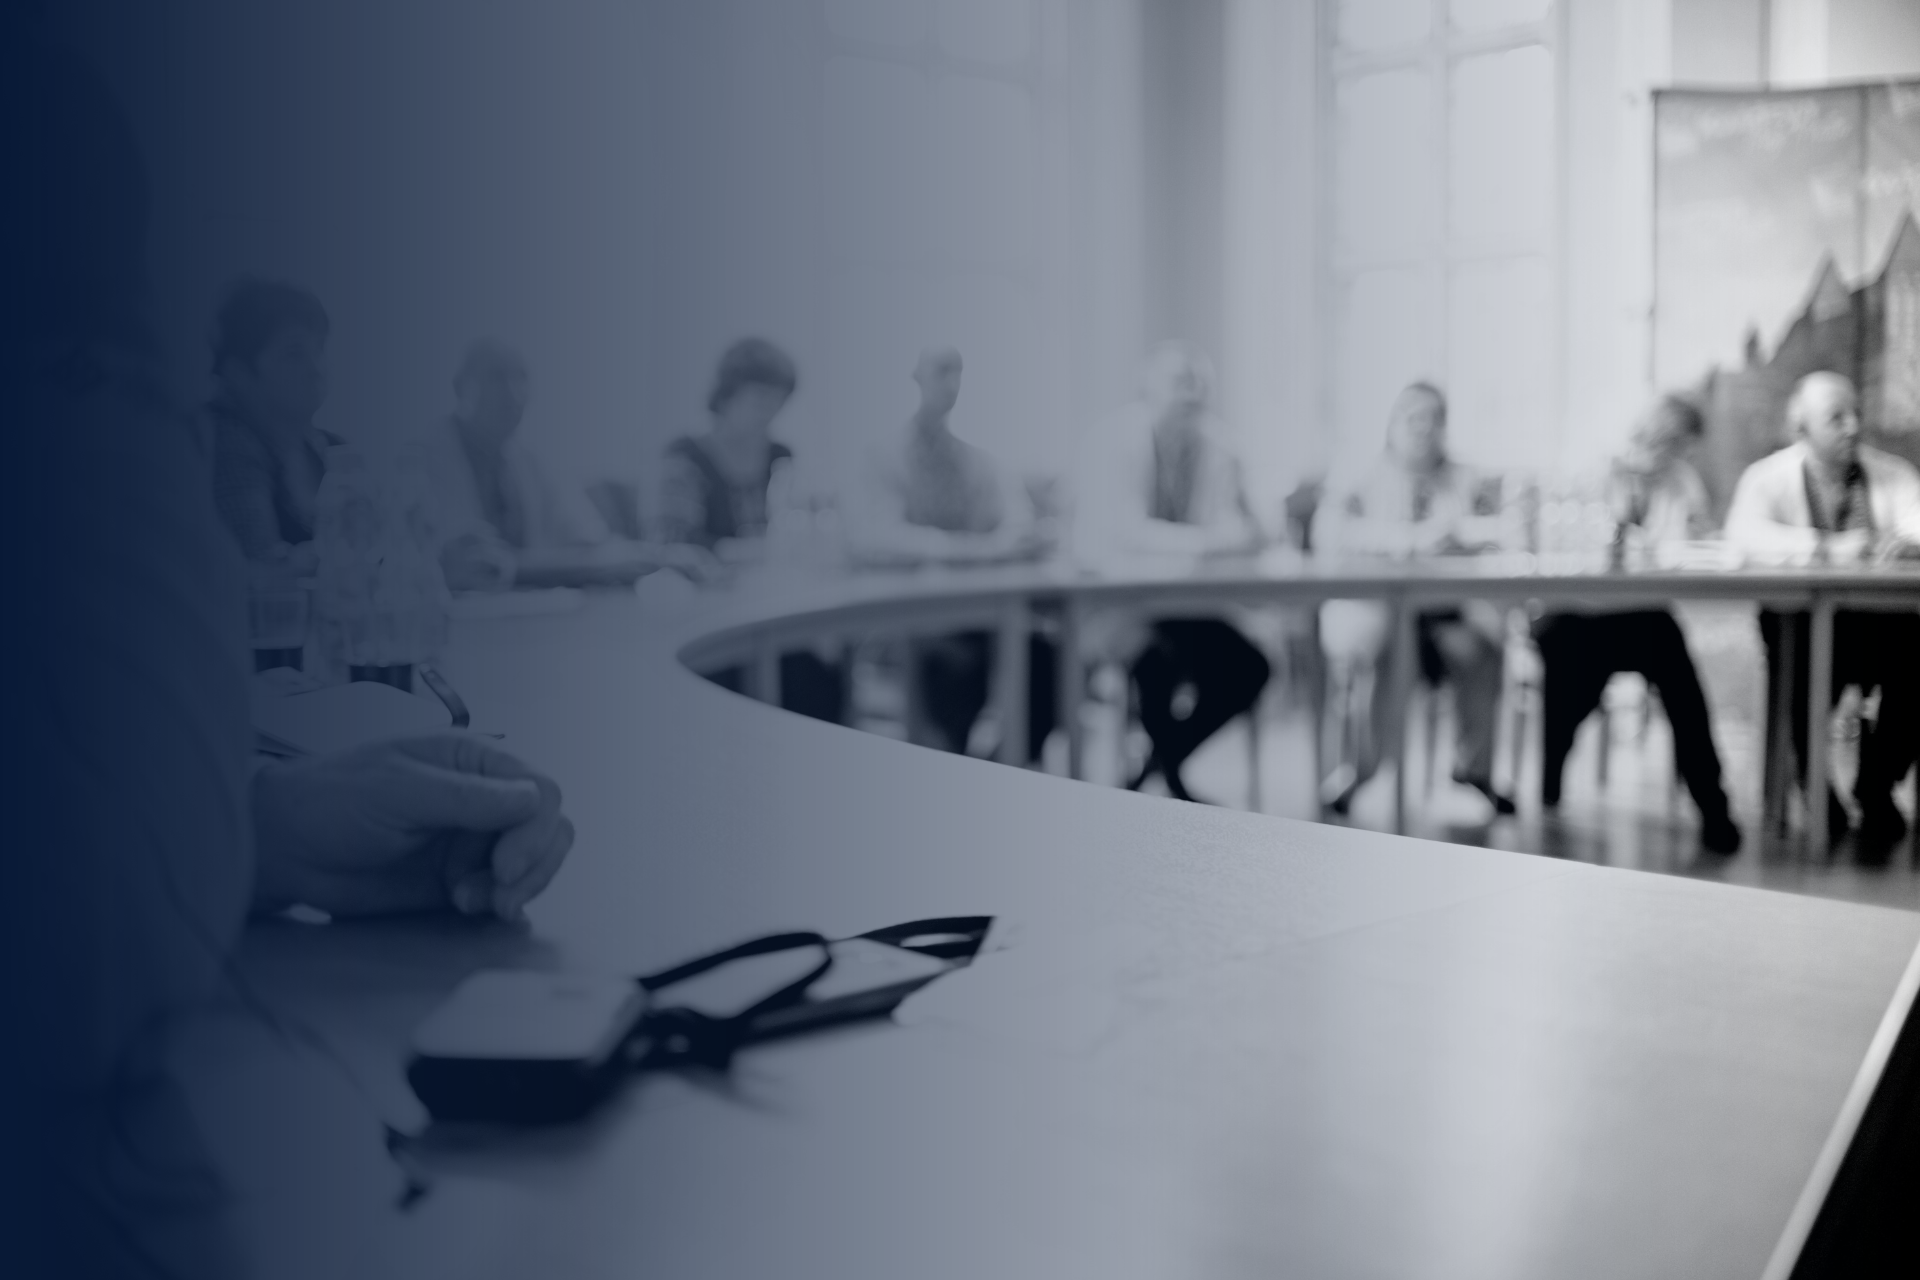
{"x": 936, "y": 205}
{"x": 1443, "y": 216}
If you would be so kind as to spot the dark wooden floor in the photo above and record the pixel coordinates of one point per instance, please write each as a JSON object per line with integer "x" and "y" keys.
{"x": 1639, "y": 818}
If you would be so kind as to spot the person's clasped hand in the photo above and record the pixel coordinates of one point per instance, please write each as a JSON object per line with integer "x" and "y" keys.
{"x": 1895, "y": 547}
{"x": 448, "y": 820}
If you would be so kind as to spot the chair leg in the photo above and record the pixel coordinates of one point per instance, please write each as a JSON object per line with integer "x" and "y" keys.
{"x": 1777, "y": 768}
{"x": 1253, "y": 756}
{"x": 1432, "y": 735}
{"x": 1603, "y": 720}
{"x": 1314, "y": 663}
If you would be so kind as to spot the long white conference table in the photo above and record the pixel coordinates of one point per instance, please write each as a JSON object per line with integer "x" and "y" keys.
{"x": 835, "y": 608}
{"x": 1218, "y": 1044}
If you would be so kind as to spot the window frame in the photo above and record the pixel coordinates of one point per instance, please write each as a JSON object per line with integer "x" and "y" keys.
{"x": 1444, "y": 254}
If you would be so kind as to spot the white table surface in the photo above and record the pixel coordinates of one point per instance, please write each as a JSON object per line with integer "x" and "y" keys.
{"x": 1286, "y": 1049}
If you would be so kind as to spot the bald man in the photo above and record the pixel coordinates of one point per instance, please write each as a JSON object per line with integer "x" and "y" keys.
{"x": 933, "y": 498}
{"x": 1161, "y": 482}
{"x": 1828, "y": 495}
{"x": 501, "y": 521}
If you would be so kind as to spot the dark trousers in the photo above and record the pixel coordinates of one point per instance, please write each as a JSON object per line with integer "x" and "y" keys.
{"x": 1582, "y": 652}
{"x": 809, "y": 685}
{"x": 1225, "y": 670}
{"x": 953, "y": 673}
{"x": 1872, "y": 650}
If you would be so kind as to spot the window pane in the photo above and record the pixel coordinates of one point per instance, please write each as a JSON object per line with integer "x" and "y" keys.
{"x": 1387, "y": 204}
{"x": 1484, "y": 15}
{"x": 1502, "y": 147}
{"x": 984, "y": 178}
{"x": 1500, "y": 379}
{"x": 877, "y": 325}
{"x": 1389, "y": 336}
{"x": 876, "y": 152}
{"x": 987, "y": 30}
{"x": 1367, "y": 25}
{"x": 895, "y": 22}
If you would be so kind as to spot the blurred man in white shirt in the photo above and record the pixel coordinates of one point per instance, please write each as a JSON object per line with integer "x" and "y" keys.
{"x": 1418, "y": 501}
{"x": 1161, "y": 481}
{"x": 1829, "y": 496}
{"x": 932, "y": 498}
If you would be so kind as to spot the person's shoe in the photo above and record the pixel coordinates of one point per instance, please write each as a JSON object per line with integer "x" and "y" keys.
{"x": 1881, "y": 828}
{"x": 1503, "y": 805}
{"x": 1720, "y": 835}
{"x": 1337, "y": 792}
{"x": 1147, "y": 770}
{"x": 1839, "y": 820}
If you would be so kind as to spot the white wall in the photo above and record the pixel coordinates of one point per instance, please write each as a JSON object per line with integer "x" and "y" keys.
{"x": 622, "y": 188}
{"x": 1825, "y": 41}
{"x": 1271, "y": 347}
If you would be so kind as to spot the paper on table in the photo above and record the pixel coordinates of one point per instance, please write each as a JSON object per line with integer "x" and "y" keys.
{"x": 516, "y": 604}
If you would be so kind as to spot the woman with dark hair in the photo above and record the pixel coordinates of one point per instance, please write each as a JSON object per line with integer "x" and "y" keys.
{"x": 269, "y": 356}
{"x": 714, "y": 496}
{"x": 714, "y": 489}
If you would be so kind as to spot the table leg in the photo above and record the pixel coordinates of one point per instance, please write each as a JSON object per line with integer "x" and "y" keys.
{"x": 1071, "y": 687}
{"x": 919, "y": 730}
{"x": 1404, "y": 655}
{"x": 1016, "y": 624}
{"x": 1777, "y": 779}
{"x": 1317, "y": 700}
{"x": 1819, "y": 722}
{"x": 766, "y": 672}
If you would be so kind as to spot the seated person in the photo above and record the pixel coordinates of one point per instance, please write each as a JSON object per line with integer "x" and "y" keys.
{"x": 1418, "y": 501}
{"x": 1829, "y": 495}
{"x": 1162, "y": 481}
{"x": 1656, "y": 493}
{"x": 714, "y": 486}
{"x": 714, "y": 491}
{"x": 935, "y": 498}
{"x": 269, "y": 361}
{"x": 154, "y": 831}
{"x": 500, "y": 522}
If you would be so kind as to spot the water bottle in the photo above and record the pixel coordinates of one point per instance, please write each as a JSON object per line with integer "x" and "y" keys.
{"x": 346, "y": 545}
{"x": 380, "y": 594}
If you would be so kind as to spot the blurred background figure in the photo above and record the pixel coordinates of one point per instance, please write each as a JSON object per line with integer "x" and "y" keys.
{"x": 269, "y": 456}
{"x": 500, "y": 519}
{"x": 933, "y": 498}
{"x": 1658, "y": 499}
{"x": 146, "y": 832}
{"x": 713, "y": 492}
{"x": 1416, "y": 501}
{"x": 1161, "y": 481}
{"x": 715, "y": 497}
{"x": 1829, "y": 496}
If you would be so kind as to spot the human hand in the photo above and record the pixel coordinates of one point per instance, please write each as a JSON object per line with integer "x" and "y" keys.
{"x": 473, "y": 563}
{"x": 740, "y": 552}
{"x": 416, "y": 824}
{"x": 696, "y": 563}
{"x": 283, "y": 567}
{"x": 1896, "y": 546}
{"x": 1848, "y": 547}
